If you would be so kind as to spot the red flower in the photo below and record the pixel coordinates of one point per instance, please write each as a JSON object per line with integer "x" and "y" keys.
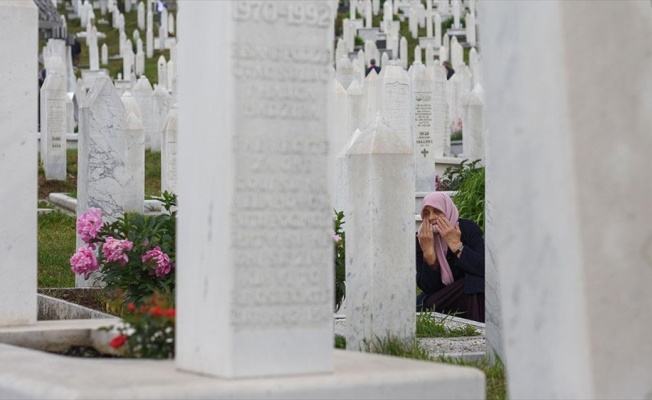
{"x": 143, "y": 309}
{"x": 118, "y": 341}
{"x": 156, "y": 311}
{"x": 170, "y": 313}
{"x": 131, "y": 307}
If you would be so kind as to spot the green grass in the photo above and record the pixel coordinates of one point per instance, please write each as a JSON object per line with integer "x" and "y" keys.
{"x": 56, "y": 244}
{"x": 152, "y": 173}
{"x": 496, "y": 379}
{"x": 429, "y": 325}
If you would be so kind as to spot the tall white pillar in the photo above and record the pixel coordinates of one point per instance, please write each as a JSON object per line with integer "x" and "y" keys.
{"x": 572, "y": 246}
{"x": 18, "y": 106}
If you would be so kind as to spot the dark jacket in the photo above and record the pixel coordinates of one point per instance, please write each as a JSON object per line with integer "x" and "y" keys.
{"x": 469, "y": 266}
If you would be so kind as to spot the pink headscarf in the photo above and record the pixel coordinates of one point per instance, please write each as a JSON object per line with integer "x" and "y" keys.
{"x": 442, "y": 202}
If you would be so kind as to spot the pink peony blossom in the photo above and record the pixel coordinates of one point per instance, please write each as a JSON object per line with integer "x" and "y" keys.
{"x": 83, "y": 262}
{"x": 89, "y": 224}
{"x": 162, "y": 260}
{"x": 115, "y": 250}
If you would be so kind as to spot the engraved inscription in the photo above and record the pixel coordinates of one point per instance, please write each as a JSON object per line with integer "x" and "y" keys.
{"x": 423, "y": 121}
{"x": 294, "y": 12}
{"x": 396, "y": 106}
{"x": 56, "y": 125}
{"x": 280, "y": 213}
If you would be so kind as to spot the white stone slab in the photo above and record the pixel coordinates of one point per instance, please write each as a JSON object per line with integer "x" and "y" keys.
{"x": 573, "y": 255}
{"x": 18, "y": 107}
{"x": 424, "y": 128}
{"x": 380, "y": 276}
{"x": 396, "y": 101}
{"x": 53, "y": 126}
{"x": 134, "y": 188}
{"x": 169, "y": 150}
{"x": 269, "y": 158}
{"x": 474, "y": 126}
{"x": 32, "y": 374}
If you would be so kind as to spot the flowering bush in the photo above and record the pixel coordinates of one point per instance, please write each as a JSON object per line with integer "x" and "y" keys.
{"x": 135, "y": 254}
{"x": 148, "y": 329}
{"x": 340, "y": 259}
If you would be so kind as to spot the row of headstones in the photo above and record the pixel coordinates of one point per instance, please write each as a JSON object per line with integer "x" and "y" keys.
{"x": 419, "y": 17}
{"x": 422, "y": 105}
{"x": 153, "y": 106}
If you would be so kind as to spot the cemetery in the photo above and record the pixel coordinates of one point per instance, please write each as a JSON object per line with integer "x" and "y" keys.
{"x": 221, "y": 199}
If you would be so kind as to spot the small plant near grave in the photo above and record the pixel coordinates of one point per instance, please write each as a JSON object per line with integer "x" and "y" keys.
{"x": 340, "y": 342}
{"x": 135, "y": 254}
{"x": 429, "y": 325}
{"x": 393, "y": 346}
{"x": 340, "y": 258}
{"x": 468, "y": 181}
{"x": 147, "y": 330}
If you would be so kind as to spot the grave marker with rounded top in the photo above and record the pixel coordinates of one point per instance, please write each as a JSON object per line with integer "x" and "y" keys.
{"x": 134, "y": 189}
{"x": 53, "y": 127}
{"x": 169, "y": 175}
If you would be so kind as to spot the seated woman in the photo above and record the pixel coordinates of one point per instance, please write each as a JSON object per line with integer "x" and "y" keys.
{"x": 450, "y": 260}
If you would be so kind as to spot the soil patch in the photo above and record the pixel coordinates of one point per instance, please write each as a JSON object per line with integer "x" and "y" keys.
{"x": 96, "y": 299}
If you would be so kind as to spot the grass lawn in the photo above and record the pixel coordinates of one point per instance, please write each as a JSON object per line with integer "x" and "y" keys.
{"x": 56, "y": 244}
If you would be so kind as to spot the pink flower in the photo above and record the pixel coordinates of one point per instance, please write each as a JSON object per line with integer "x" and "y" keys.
{"x": 337, "y": 238}
{"x": 84, "y": 261}
{"x": 114, "y": 250}
{"x": 162, "y": 260}
{"x": 89, "y": 224}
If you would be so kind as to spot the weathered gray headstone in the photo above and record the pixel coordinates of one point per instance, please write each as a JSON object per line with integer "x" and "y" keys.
{"x": 101, "y": 175}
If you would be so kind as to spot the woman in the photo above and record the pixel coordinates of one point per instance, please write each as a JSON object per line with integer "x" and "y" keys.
{"x": 450, "y": 260}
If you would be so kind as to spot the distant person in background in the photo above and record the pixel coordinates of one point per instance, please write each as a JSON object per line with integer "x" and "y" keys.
{"x": 449, "y": 69}
{"x": 372, "y": 65}
{"x": 160, "y": 6}
{"x": 449, "y": 260}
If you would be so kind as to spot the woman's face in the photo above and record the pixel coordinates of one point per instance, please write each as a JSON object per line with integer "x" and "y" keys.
{"x": 430, "y": 214}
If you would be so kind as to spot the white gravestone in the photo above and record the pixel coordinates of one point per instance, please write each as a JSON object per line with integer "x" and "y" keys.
{"x": 172, "y": 76}
{"x": 417, "y": 54}
{"x": 18, "y": 106}
{"x": 141, "y": 16}
{"x": 105, "y": 54}
{"x": 368, "y": 14}
{"x": 93, "y": 54}
{"x": 456, "y": 14}
{"x": 424, "y": 125}
{"x": 338, "y": 136}
{"x": 475, "y": 63}
{"x": 162, "y": 102}
{"x": 121, "y": 42}
{"x": 437, "y": 30}
{"x": 376, "y": 6}
{"x": 396, "y": 101}
{"x": 134, "y": 190}
{"x": 162, "y": 68}
{"x": 444, "y": 7}
{"x": 413, "y": 23}
{"x": 357, "y": 107}
{"x": 373, "y": 86}
{"x": 128, "y": 59}
{"x": 470, "y": 28}
{"x": 101, "y": 166}
{"x": 404, "y": 52}
{"x": 149, "y": 43}
{"x": 53, "y": 127}
{"x": 144, "y": 95}
{"x": 344, "y": 72}
{"x": 136, "y": 35}
{"x": 340, "y": 49}
{"x": 371, "y": 51}
{"x": 474, "y": 125}
{"x": 171, "y": 24}
{"x": 140, "y": 62}
{"x": 440, "y": 111}
{"x": 169, "y": 175}
{"x": 430, "y": 54}
{"x": 457, "y": 54}
{"x": 269, "y": 308}
{"x": 380, "y": 236}
{"x": 582, "y": 296}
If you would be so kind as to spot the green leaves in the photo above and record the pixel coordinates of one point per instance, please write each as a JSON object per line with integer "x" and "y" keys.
{"x": 137, "y": 279}
{"x": 340, "y": 258}
{"x": 468, "y": 181}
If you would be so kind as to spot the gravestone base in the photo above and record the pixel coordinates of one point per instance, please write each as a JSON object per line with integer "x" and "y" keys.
{"x": 27, "y": 373}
